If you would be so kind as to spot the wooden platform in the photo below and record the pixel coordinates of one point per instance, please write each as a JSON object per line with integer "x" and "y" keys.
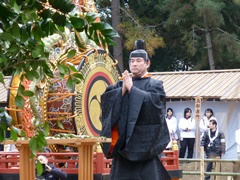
{"x": 85, "y": 156}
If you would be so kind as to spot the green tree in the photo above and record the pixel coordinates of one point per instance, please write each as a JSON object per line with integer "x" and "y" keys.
{"x": 140, "y": 20}
{"x": 135, "y": 23}
{"x": 116, "y": 20}
{"x": 197, "y": 34}
{"x": 24, "y": 25}
{"x": 204, "y": 34}
{"x": 111, "y": 12}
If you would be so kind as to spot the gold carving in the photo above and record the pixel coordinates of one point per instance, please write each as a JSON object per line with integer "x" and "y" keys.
{"x": 97, "y": 63}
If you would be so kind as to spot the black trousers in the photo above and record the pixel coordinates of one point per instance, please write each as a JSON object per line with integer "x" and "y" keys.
{"x": 209, "y": 169}
{"x": 186, "y": 143}
{"x": 210, "y": 166}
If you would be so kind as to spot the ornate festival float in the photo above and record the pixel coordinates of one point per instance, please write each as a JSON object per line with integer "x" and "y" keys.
{"x": 75, "y": 111}
{"x": 71, "y": 114}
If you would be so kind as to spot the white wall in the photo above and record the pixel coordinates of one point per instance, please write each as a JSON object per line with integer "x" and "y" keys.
{"x": 227, "y": 114}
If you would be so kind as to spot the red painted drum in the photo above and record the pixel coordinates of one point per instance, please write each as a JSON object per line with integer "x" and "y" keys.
{"x": 78, "y": 110}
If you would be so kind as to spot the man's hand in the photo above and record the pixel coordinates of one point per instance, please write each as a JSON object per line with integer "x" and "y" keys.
{"x": 124, "y": 89}
{"x": 127, "y": 82}
{"x": 48, "y": 168}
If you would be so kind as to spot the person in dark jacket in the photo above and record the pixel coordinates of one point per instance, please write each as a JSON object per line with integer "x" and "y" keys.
{"x": 133, "y": 116}
{"x": 50, "y": 172}
{"x": 214, "y": 144}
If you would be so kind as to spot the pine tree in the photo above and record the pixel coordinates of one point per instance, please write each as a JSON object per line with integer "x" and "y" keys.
{"x": 203, "y": 31}
{"x": 183, "y": 34}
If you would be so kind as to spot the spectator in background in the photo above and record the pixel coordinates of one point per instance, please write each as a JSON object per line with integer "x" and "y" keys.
{"x": 213, "y": 142}
{"x": 172, "y": 127}
{"x": 236, "y": 167}
{"x": 46, "y": 150}
{"x": 204, "y": 122}
{"x": 50, "y": 172}
{"x": 187, "y": 127}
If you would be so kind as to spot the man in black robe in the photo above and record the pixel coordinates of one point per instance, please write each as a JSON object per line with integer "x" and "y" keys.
{"x": 133, "y": 116}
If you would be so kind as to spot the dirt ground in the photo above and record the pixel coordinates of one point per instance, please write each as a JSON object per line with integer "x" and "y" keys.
{"x": 225, "y": 167}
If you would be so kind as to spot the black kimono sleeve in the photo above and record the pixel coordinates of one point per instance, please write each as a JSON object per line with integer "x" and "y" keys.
{"x": 139, "y": 116}
{"x": 111, "y": 104}
{"x": 147, "y": 132}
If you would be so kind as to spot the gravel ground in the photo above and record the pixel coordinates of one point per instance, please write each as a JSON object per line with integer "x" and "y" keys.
{"x": 225, "y": 167}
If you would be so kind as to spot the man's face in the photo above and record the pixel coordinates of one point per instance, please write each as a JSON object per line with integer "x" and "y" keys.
{"x": 138, "y": 66}
{"x": 42, "y": 159}
{"x": 211, "y": 125}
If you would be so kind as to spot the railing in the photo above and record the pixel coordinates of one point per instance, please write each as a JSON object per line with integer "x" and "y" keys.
{"x": 170, "y": 160}
{"x": 101, "y": 165}
{"x": 68, "y": 161}
{"x": 202, "y": 161}
{"x": 9, "y": 162}
{"x": 84, "y": 160}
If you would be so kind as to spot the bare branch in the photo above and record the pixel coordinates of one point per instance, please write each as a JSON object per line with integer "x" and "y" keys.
{"x": 224, "y": 32}
{"x": 130, "y": 16}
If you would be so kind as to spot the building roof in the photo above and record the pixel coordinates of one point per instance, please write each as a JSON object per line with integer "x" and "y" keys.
{"x": 215, "y": 84}
{"x": 3, "y": 91}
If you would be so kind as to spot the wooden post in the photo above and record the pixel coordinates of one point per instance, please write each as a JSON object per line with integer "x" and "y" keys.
{"x": 85, "y": 160}
{"x": 202, "y": 162}
{"x": 27, "y": 165}
{"x": 198, "y": 101}
{"x": 100, "y": 164}
{"x": 217, "y": 169}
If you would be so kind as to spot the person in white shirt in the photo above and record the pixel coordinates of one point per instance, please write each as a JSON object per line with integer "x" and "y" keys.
{"x": 187, "y": 127}
{"x": 204, "y": 122}
{"x": 236, "y": 166}
{"x": 172, "y": 127}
